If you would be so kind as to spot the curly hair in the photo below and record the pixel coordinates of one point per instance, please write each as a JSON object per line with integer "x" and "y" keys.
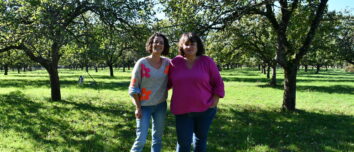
{"x": 150, "y": 41}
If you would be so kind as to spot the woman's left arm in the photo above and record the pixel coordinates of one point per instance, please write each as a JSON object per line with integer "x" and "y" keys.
{"x": 215, "y": 101}
{"x": 216, "y": 83}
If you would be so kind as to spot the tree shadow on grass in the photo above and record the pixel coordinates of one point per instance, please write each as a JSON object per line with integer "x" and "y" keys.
{"x": 51, "y": 124}
{"x": 325, "y": 73}
{"x": 280, "y": 80}
{"x": 325, "y": 80}
{"x": 244, "y": 129}
{"x": 106, "y": 77}
{"x": 121, "y": 85}
{"x": 238, "y": 79}
{"x": 325, "y": 77}
{"x": 65, "y": 126}
{"x": 123, "y": 130}
{"x": 29, "y": 76}
{"x": 73, "y": 76}
{"x": 21, "y": 83}
{"x": 244, "y": 71}
{"x": 340, "y": 89}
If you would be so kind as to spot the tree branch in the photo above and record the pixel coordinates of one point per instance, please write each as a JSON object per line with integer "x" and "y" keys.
{"x": 310, "y": 35}
{"x": 9, "y": 48}
{"x": 271, "y": 16}
{"x": 45, "y": 63}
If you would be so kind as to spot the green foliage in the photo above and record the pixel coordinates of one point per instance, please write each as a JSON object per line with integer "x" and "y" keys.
{"x": 42, "y": 28}
{"x": 15, "y": 59}
{"x": 345, "y": 39}
{"x": 322, "y": 50}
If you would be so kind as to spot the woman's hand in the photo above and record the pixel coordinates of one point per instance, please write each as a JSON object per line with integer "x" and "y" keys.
{"x": 215, "y": 100}
{"x": 137, "y": 104}
{"x": 138, "y": 113}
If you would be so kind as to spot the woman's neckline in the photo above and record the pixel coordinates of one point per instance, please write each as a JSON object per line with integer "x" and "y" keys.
{"x": 148, "y": 61}
{"x": 188, "y": 66}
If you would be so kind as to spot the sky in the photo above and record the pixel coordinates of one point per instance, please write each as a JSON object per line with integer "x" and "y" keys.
{"x": 340, "y": 5}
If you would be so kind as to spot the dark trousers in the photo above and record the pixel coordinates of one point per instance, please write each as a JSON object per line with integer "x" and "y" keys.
{"x": 193, "y": 127}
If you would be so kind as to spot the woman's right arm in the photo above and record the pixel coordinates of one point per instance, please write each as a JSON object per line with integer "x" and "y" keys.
{"x": 134, "y": 88}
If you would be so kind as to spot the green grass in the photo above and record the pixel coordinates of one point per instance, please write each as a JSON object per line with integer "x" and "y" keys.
{"x": 101, "y": 117}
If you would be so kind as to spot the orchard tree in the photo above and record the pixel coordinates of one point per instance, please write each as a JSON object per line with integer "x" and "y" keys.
{"x": 255, "y": 37}
{"x": 5, "y": 60}
{"x": 41, "y": 28}
{"x": 345, "y": 38}
{"x": 281, "y": 14}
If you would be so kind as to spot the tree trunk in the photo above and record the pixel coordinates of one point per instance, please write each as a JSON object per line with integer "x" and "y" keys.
{"x": 318, "y": 68}
{"x": 18, "y": 70}
{"x": 54, "y": 82}
{"x": 306, "y": 66}
{"x": 259, "y": 67}
{"x": 52, "y": 68}
{"x": 128, "y": 66}
{"x": 273, "y": 81}
{"x": 123, "y": 67}
{"x": 86, "y": 68}
{"x": 268, "y": 71}
{"x": 289, "y": 98}
{"x": 263, "y": 69}
{"x": 96, "y": 68}
{"x": 111, "y": 70}
{"x": 6, "y": 68}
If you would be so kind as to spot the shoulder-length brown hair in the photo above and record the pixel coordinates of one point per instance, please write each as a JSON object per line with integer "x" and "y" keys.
{"x": 193, "y": 38}
{"x": 150, "y": 41}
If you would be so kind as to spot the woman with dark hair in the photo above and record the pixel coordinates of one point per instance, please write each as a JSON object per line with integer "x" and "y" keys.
{"x": 197, "y": 87}
{"x": 148, "y": 89}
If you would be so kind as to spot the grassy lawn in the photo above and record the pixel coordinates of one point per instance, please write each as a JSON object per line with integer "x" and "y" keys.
{"x": 100, "y": 117}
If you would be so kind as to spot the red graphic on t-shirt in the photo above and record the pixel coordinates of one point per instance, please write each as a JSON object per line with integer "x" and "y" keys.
{"x": 145, "y": 94}
{"x": 145, "y": 71}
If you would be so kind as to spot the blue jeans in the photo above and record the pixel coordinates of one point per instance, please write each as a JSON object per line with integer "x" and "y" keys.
{"x": 194, "y": 126}
{"x": 158, "y": 115}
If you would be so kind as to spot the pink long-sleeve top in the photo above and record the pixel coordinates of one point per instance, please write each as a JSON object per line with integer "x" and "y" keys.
{"x": 194, "y": 88}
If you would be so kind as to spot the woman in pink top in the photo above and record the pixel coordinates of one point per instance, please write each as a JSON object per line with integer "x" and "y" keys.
{"x": 197, "y": 87}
